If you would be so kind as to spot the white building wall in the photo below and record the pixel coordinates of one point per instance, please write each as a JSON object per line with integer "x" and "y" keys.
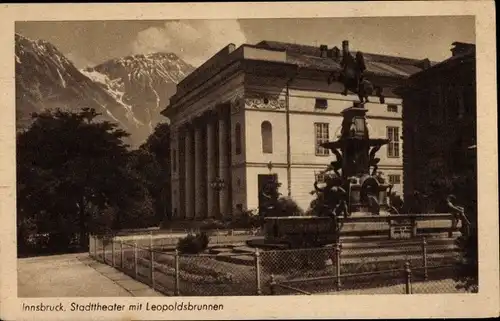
{"x": 302, "y": 184}
{"x": 303, "y": 138}
{"x": 253, "y": 122}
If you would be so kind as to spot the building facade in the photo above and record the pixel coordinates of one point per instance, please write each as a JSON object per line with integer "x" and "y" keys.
{"x": 259, "y": 111}
{"x": 439, "y": 129}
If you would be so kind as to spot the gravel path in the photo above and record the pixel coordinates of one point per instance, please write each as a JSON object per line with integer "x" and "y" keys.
{"x": 74, "y": 275}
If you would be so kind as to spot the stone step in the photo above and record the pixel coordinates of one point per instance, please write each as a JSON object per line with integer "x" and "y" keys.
{"x": 243, "y": 249}
{"x": 217, "y": 250}
{"x": 401, "y": 252}
{"x": 236, "y": 259}
{"x": 397, "y": 244}
{"x": 396, "y": 258}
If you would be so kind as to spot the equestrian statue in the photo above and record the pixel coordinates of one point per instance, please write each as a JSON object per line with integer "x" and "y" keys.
{"x": 352, "y": 76}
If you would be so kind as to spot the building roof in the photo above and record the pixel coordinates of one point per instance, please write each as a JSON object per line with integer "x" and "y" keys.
{"x": 462, "y": 53}
{"x": 320, "y": 58}
{"x": 310, "y": 56}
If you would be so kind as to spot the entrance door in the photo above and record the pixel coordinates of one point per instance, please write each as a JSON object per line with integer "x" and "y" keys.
{"x": 263, "y": 181}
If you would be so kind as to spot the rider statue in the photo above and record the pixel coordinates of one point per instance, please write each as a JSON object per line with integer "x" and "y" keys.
{"x": 352, "y": 71}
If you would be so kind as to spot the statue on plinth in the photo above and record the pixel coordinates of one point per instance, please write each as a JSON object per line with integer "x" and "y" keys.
{"x": 353, "y": 78}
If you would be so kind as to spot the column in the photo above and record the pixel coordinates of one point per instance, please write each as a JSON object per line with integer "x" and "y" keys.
{"x": 224, "y": 162}
{"x": 182, "y": 173}
{"x": 189, "y": 173}
{"x": 212, "y": 205}
{"x": 174, "y": 172}
{"x": 199, "y": 178}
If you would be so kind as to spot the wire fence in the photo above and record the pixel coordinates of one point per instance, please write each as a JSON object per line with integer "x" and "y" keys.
{"x": 399, "y": 267}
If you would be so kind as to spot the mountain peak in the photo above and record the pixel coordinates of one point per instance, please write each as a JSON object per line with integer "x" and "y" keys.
{"x": 130, "y": 91}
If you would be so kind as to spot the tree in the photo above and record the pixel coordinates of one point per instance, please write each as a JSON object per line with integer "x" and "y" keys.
{"x": 74, "y": 176}
{"x": 154, "y": 163}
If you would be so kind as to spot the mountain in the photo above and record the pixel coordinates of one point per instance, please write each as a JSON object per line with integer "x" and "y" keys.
{"x": 142, "y": 83}
{"x": 129, "y": 91}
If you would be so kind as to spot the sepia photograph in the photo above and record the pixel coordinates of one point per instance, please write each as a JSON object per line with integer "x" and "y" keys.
{"x": 246, "y": 157}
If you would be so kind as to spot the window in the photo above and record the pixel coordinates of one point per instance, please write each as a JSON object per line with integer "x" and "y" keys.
{"x": 321, "y": 103}
{"x": 394, "y": 179}
{"x": 392, "y": 108}
{"x": 237, "y": 137}
{"x": 266, "y": 131}
{"x": 322, "y": 136}
{"x": 174, "y": 160}
{"x": 393, "y": 146}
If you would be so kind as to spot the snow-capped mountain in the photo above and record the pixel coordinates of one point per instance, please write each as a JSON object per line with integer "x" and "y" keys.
{"x": 129, "y": 91}
{"x": 142, "y": 84}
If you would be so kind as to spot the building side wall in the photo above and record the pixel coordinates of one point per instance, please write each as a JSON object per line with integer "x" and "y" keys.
{"x": 439, "y": 125}
{"x": 254, "y": 151}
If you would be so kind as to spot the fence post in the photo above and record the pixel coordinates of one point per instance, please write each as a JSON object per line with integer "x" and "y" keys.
{"x": 121, "y": 254}
{"x": 257, "y": 271}
{"x": 424, "y": 257}
{"x": 103, "y": 251}
{"x": 176, "y": 290}
{"x": 91, "y": 239}
{"x": 135, "y": 260}
{"x": 272, "y": 285}
{"x": 338, "y": 263}
{"x": 408, "y": 277}
{"x": 95, "y": 247}
{"x": 152, "y": 268}
{"x": 112, "y": 252}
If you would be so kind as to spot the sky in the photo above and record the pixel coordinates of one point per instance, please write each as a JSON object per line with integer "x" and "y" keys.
{"x": 88, "y": 43}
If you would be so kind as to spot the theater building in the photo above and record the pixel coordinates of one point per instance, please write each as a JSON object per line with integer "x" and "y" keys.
{"x": 259, "y": 111}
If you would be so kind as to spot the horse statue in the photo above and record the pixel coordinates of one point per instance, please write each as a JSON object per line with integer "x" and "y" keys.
{"x": 352, "y": 76}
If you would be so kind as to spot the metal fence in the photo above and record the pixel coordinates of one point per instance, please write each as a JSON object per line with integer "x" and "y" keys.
{"x": 422, "y": 266}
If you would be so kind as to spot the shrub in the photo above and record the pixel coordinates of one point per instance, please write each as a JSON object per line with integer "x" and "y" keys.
{"x": 193, "y": 243}
{"x": 211, "y": 224}
{"x": 247, "y": 220}
{"x": 286, "y": 206}
{"x": 467, "y": 276}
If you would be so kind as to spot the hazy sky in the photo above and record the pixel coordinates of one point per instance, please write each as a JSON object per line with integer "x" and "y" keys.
{"x": 88, "y": 43}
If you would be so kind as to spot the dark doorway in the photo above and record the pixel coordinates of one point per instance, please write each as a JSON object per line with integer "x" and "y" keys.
{"x": 264, "y": 180}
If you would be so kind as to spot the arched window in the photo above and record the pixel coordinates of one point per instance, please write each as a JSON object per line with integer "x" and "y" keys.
{"x": 237, "y": 137}
{"x": 267, "y": 137}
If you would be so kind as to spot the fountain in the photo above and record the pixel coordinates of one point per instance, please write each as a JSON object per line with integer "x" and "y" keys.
{"x": 366, "y": 191}
{"x": 355, "y": 199}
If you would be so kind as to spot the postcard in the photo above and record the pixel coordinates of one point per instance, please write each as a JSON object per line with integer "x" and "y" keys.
{"x": 220, "y": 161}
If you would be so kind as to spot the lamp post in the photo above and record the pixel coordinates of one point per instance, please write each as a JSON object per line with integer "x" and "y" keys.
{"x": 217, "y": 185}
